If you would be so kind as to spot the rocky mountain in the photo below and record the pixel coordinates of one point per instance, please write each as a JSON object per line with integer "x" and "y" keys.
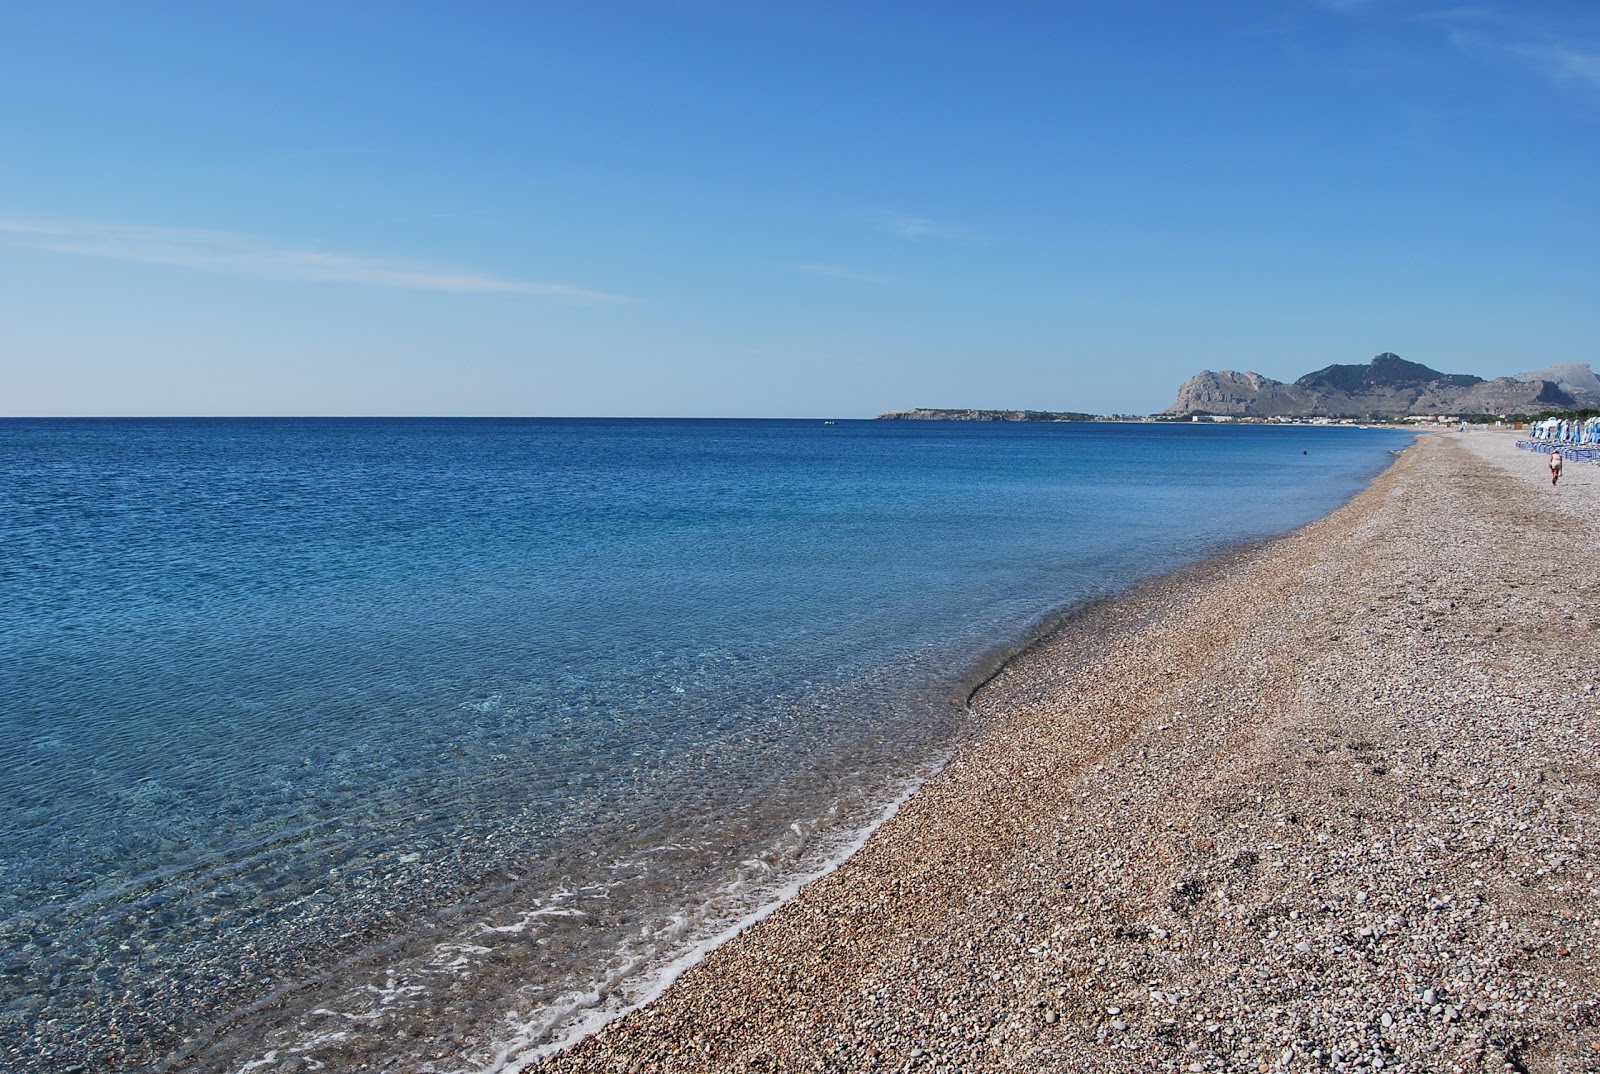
{"x": 1574, "y": 378}
{"x": 1387, "y": 387}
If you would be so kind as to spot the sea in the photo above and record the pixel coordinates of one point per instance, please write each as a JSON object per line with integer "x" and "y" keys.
{"x": 430, "y": 745}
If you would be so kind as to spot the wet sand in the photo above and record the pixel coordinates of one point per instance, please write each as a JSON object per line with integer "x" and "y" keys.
{"x": 1334, "y": 804}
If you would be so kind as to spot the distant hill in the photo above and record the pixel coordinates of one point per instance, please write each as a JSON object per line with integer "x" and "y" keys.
{"x": 1387, "y": 387}
{"x": 934, "y": 414}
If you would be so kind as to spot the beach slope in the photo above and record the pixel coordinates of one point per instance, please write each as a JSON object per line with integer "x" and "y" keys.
{"x": 1334, "y": 804}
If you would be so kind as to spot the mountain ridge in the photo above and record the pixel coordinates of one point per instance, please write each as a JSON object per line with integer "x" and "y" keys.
{"x": 1386, "y": 387}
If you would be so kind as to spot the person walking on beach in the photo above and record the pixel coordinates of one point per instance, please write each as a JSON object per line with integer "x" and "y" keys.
{"x": 1555, "y": 467}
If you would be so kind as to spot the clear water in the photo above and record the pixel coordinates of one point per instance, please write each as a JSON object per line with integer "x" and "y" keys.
{"x": 335, "y": 741}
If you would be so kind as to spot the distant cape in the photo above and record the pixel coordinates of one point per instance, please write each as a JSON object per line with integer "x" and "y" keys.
{"x": 1387, "y": 387}
{"x": 934, "y": 414}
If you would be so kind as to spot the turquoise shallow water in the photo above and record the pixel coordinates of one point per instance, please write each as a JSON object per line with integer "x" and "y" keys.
{"x": 472, "y": 722}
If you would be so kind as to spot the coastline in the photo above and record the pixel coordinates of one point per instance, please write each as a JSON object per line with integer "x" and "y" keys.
{"x": 512, "y": 901}
{"x": 1252, "y": 834}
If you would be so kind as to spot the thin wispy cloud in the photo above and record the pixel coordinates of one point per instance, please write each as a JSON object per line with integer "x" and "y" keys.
{"x": 1563, "y": 49}
{"x": 914, "y": 228}
{"x": 213, "y": 251}
{"x": 1564, "y": 52}
{"x": 837, "y": 272}
{"x": 1345, "y": 6}
{"x": 1561, "y": 63}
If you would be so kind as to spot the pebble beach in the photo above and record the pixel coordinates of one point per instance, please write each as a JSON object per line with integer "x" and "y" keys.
{"x": 1330, "y": 802}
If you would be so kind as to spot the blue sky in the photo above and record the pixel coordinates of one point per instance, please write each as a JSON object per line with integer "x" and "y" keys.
{"x": 753, "y": 209}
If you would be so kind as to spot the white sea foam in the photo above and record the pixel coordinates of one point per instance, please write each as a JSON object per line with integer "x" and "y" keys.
{"x": 575, "y": 1016}
{"x": 528, "y": 917}
{"x": 366, "y": 1016}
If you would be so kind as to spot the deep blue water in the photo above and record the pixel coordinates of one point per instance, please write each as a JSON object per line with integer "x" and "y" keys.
{"x": 358, "y": 701}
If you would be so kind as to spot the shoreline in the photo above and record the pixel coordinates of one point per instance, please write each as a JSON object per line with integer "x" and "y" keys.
{"x": 1078, "y": 632}
{"x": 1075, "y": 634}
{"x": 1082, "y": 629}
{"x": 995, "y": 919}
